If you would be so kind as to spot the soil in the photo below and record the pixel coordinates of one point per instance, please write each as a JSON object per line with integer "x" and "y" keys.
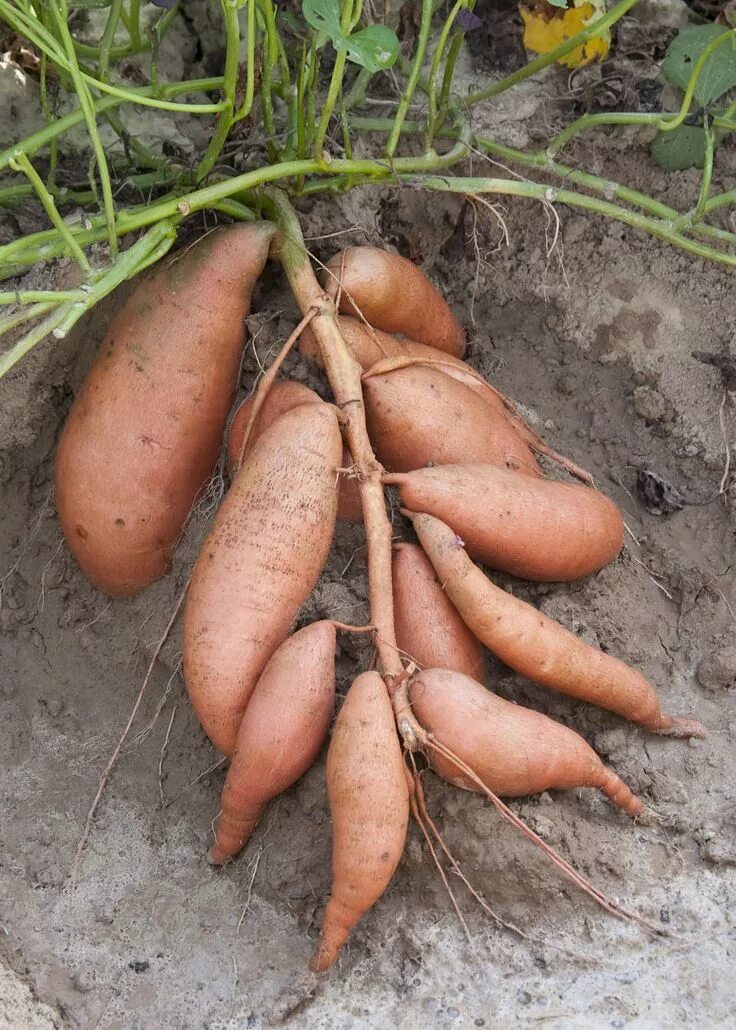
{"x": 591, "y": 329}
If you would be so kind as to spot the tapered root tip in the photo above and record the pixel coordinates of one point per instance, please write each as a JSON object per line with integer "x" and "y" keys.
{"x": 323, "y": 958}
{"x": 614, "y": 787}
{"x": 669, "y": 726}
{"x": 216, "y": 856}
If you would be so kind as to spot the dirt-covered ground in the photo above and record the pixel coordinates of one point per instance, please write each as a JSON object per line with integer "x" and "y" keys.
{"x": 591, "y": 328}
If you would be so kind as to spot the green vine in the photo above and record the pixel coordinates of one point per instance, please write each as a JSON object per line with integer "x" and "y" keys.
{"x": 308, "y": 127}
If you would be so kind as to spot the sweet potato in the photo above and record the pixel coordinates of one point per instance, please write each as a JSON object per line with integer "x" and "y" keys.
{"x": 283, "y": 396}
{"x": 419, "y": 415}
{"x": 369, "y": 802}
{"x": 144, "y": 432}
{"x": 536, "y": 646}
{"x": 429, "y": 630}
{"x": 534, "y": 528}
{"x": 391, "y": 293}
{"x": 258, "y": 564}
{"x": 283, "y": 729}
{"x": 512, "y": 750}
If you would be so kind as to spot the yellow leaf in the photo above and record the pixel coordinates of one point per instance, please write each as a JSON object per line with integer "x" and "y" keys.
{"x": 547, "y": 27}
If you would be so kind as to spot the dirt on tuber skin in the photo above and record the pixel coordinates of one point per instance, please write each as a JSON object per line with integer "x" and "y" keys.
{"x": 369, "y": 804}
{"x": 281, "y": 733}
{"x": 145, "y": 430}
{"x": 418, "y": 416}
{"x": 537, "y": 529}
{"x": 429, "y": 630}
{"x": 259, "y": 563}
{"x": 390, "y": 293}
{"x": 515, "y": 751}
{"x": 536, "y": 646}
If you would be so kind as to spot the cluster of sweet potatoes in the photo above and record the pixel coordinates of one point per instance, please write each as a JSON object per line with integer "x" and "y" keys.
{"x": 139, "y": 447}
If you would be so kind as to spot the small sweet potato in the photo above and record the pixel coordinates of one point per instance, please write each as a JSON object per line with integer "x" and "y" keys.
{"x": 536, "y": 646}
{"x": 369, "y": 802}
{"x": 259, "y": 563}
{"x": 283, "y": 729}
{"x": 514, "y": 751}
{"x": 391, "y": 293}
{"x": 533, "y": 528}
{"x": 429, "y": 630}
{"x": 145, "y": 430}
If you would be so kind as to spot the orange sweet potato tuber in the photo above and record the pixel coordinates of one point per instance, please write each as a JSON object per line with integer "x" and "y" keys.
{"x": 282, "y": 397}
{"x": 391, "y": 293}
{"x": 533, "y": 528}
{"x": 538, "y": 647}
{"x": 512, "y": 750}
{"x": 419, "y": 415}
{"x": 369, "y": 802}
{"x": 145, "y": 430}
{"x": 429, "y": 630}
{"x": 283, "y": 729}
{"x": 259, "y": 563}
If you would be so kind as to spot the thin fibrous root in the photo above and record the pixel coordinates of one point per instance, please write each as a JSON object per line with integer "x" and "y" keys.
{"x": 422, "y": 805}
{"x": 414, "y": 788}
{"x": 572, "y": 874}
{"x": 267, "y": 381}
{"x": 118, "y": 747}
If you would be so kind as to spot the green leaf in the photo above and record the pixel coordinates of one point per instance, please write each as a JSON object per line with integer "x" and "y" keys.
{"x": 324, "y": 16}
{"x": 682, "y": 148}
{"x": 374, "y": 48}
{"x": 719, "y": 71}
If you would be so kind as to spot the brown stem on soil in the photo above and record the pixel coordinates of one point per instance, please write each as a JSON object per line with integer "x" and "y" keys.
{"x": 267, "y": 381}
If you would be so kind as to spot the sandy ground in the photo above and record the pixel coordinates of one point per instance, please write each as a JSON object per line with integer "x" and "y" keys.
{"x": 594, "y": 340}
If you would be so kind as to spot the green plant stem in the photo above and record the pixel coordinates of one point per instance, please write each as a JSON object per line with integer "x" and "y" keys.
{"x": 329, "y": 106}
{"x": 44, "y": 246}
{"x": 39, "y": 296}
{"x": 49, "y": 133}
{"x": 660, "y": 122}
{"x": 134, "y": 25}
{"x": 455, "y": 47}
{"x": 250, "y": 71}
{"x": 596, "y": 28}
{"x": 439, "y": 53}
{"x": 60, "y": 14}
{"x": 268, "y": 63}
{"x": 108, "y": 36}
{"x": 21, "y": 163}
{"x": 146, "y": 159}
{"x": 550, "y": 195}
{"x": 158, "y": 239}
{"x": 23, "y": 315}
{"x": 707, "y": 171}
{"x": 230, "y": 84}
{"x": 416, "y": 68}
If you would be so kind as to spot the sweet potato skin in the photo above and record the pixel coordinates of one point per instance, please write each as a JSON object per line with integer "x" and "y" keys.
{"x": 369, "y": 802}
{"x": 282, "y": 731}
{"x": 428, "y": 629}
{"x": 259, "y": 562}
{"x": 392, "y": 294}
{"x": 537, "y": 529}
{"x": 144, "y": 432}
{"x": 536, "y": 646}
{"x": 513, "y": 750}
{"x": 282, "y": 397}
{"x": 419, "y": 415}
